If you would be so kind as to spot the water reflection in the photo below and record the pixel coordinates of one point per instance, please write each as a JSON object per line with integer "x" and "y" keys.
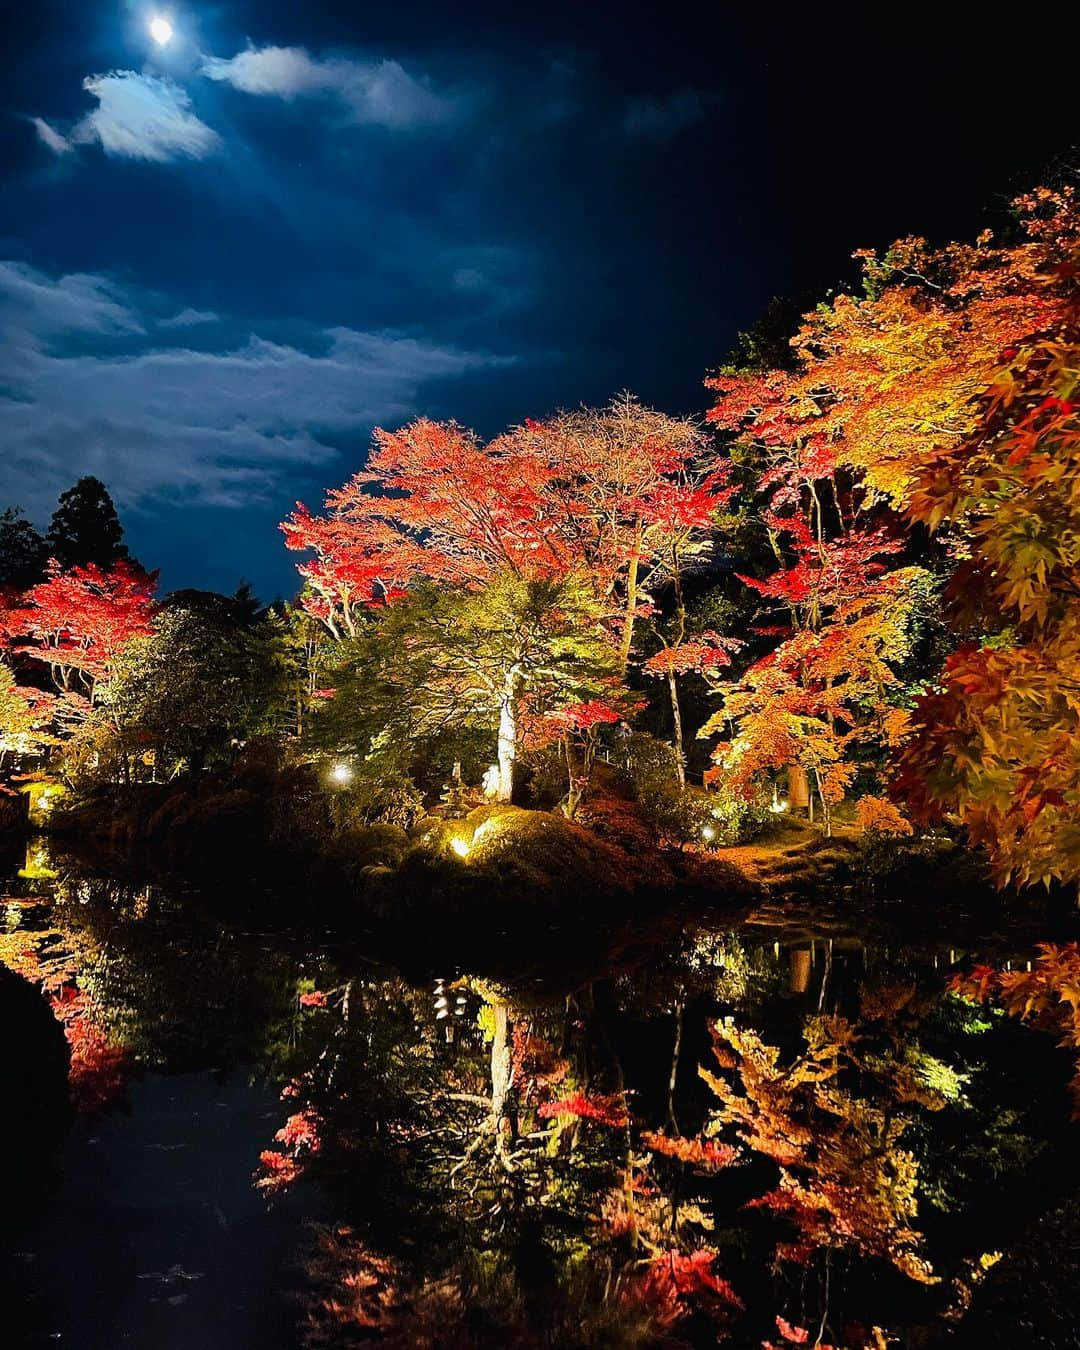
{"x": 768, "y": 1135}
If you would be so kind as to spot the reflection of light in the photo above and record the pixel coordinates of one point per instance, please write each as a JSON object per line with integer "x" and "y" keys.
{"x": 341, "y": 773}
{"x": 161, "y": 29}
{"x": 707, "y": 832}
{"x": 460, "y": 847}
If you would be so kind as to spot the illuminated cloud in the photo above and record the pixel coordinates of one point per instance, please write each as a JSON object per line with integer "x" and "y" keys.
{"x": 84, "y": 392}
{"x": 48, "y": 135}
{"x": 377, "y": 92}
{"x": 143, "y": 117}
{"x": 34, "y": 307}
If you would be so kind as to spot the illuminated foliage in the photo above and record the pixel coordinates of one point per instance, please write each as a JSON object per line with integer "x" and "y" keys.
{"x": 77, "y": 623}
{"x": 999, "y": 742}
{"x": 845, "y": 1181}
{"x": 1047, "y": 996}
{"x": 898, "y": 402}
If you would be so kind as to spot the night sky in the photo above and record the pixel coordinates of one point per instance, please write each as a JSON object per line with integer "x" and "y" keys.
{"x": 227, "y": 258}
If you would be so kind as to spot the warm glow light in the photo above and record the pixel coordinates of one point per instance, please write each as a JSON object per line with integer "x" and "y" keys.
{"x": 707, "y": 832}
{"x": 778, "y": 805}
{"x": 341, "y": 774}
{"x": 460, "y": 847}
{"x": 161, "y": 30}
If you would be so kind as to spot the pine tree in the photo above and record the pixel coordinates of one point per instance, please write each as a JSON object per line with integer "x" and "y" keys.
{"x": 22, "y": 551}
{"x": 85, "y": 528}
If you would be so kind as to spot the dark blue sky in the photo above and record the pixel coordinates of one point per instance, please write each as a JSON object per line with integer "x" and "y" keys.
{"x": 226, "y": 259}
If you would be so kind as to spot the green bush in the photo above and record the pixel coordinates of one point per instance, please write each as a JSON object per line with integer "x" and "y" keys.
{"x": 645, "y": 766}
{"x": 708, "y": 819}
{"x": 371, "y": 800}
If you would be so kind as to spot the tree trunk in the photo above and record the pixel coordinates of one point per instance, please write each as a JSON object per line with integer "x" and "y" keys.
{"x": 631, "y": 602}
{"x": 507, "y": 745}
{"x": 676, "y": 717}
{"x": 798, "y": 788}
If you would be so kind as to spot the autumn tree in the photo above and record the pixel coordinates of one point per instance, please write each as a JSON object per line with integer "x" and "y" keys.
{"x": 437, "y": 659}
{"x": 603, "y": 504}
{"x": 77, "y": 623}
{"x": 24, "y": 717}
{"x": 999, "y": 742}
{"x": 620, "y": 495}
{"x": 881, "y": 385}
{"x": 75, "y": 629}
{"x": 827, "y": 687}
{"x": 433, "y": 503}
{"x": 634, "y": 494}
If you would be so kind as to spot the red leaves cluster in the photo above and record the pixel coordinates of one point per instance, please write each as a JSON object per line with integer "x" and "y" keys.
{"x": 98, "y": 1072}
{"x": 605, "y": 1110}
{"x": 675, "y": 1280}
{"x": 301, "y": 1136}
{"x": 80, "y": 620}
{"x": 707, "y": 1154}
{"x": 707, "y": 651}
{"x": 601, "y": 495}
{"x": 1047, "y": 996}
{"x": 581, "y": 717}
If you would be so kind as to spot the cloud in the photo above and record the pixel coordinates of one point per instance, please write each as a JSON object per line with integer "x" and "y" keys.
{"x": 161, "y": 423}
{"x": 48, "y": 135}
{"x": 662, "y": 119}
{"x": 376, "y": 92}
{"x": 188, "y": 318}
{"x": 34, "y": 308}
{"x": 143, "y": 117}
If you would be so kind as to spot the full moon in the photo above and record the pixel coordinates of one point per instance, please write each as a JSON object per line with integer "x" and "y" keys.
{"x": 160, "y": 30}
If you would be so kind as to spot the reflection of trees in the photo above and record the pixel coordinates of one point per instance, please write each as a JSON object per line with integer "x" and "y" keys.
{"x": 133, "y": 984}
{"x": 510, "y": 1167}
{"x": 527, "y": 1183}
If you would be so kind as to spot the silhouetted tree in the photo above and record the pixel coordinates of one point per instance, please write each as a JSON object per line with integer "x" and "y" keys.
{"x": 85, "y": 527}
{"x": 22, "y": 551}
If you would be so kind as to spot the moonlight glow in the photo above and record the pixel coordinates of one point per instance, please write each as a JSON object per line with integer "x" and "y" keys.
{"x": 161, "y": 30}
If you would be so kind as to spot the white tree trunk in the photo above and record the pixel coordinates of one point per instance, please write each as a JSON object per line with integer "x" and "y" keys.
{"x": 507, "y": 744}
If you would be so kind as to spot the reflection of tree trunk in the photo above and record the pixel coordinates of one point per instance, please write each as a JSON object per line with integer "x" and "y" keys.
{"x": 799, "y": 972}
{"x": 676, "y": 717}
{"x": 507, "y": 744}
{"x": 672, "y": 1077}
{"x": 501, "y": 1063}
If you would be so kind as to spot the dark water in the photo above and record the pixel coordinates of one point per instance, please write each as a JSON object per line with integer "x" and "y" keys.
{"x": 429, "y": 1189}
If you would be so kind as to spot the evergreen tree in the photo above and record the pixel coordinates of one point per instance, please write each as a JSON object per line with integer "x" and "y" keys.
{"x": 85, "y": 527}
{"x": 22, "y": 551}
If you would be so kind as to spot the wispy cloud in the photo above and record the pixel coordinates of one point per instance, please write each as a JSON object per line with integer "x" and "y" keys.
{"x": 84, "y": 392}
{"x": 36, "y": 308}
{"x": 377, "y": 92}
{"x": 143, "y": 117}
{"x": 188, "y": 318}
{"x": 663, "y": 118}
{"x": 48, "y": 135}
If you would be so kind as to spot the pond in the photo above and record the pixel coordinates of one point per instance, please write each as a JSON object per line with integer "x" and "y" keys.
{"x": 790, "y": 1131}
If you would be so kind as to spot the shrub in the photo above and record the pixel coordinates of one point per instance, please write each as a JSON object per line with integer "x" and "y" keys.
{"x": 644, "y": 765}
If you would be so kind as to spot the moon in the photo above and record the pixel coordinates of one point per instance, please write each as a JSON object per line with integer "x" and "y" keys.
{"x": 161, "y": 30}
